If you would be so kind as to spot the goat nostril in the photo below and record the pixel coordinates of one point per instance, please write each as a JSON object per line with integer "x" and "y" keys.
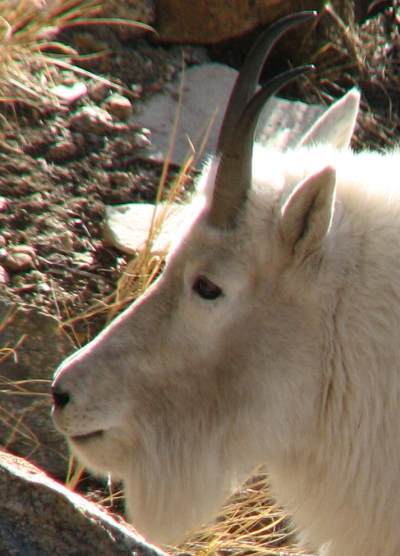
{"x": 60, "y": 398}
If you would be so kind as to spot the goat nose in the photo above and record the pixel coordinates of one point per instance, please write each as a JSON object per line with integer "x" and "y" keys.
{"x": 60, "y": 397}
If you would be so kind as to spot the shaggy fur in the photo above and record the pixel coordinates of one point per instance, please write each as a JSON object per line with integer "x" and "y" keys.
{"x": 296, "y": 365}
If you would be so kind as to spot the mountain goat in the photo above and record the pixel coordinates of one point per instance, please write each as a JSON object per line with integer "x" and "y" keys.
{"x": 272, "y": 336}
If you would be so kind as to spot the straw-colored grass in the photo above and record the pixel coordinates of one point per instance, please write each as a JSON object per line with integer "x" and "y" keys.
{"x": 37, "y": 390}
{"x": 249, "y": 524}
{"x": 29, "y": 48}
{"x": 348, "y": 53}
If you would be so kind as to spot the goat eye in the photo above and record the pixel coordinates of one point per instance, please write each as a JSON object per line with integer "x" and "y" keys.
{"x": 205, "y": 288}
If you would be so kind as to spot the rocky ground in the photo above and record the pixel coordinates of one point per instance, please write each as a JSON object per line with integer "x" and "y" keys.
{"x": 61, "y": 162}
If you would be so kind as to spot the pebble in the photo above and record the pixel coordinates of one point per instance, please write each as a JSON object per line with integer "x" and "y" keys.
{"x": 70, "y": 93}
{"x": 43, "y": 287}
{"x": 137, "y": 90}
{"x": 18, "y": 258}
{"x": 122, "y": 179}
{"x": 142, "y": 140}
{"x": 27, "y": 249}
{"x": 4, "y": 276}
{"x": 62, "y": 150}
{"x": 3, "y": 203}
{"x": 119, "y": 106}
{"x": 66, "y": 240}
{"x": 98, "y": 91}
{"x": 90, "y": 119}
{"x": 17, "y": 262}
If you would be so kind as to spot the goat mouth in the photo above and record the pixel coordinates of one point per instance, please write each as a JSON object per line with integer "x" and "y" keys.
{"x": 87, "y": 437}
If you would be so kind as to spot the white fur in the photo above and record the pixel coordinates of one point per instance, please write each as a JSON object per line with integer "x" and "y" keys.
{"x": 296, "y": 365}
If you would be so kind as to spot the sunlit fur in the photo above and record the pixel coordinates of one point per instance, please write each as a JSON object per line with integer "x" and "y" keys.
{"x": 296, "y": 366}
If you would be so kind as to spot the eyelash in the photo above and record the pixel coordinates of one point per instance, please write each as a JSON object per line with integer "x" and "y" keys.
{"x": 206, "y": 289}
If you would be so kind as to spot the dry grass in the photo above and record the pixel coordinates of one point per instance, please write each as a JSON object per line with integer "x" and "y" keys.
{"x": 365, "y": 54}
{"x": 248, "y": 525}
{"x": 16, "y": 425}
{"x": 37, "y": 390}
{"x": 29, "y": 48}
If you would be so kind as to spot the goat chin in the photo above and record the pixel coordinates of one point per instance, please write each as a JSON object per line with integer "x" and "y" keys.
{"x": 272, "y": 337}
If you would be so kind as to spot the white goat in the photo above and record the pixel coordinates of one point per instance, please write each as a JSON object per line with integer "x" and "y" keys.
{"x": 272, "y": 336}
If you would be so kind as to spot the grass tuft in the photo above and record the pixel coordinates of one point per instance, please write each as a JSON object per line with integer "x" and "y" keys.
{"x": 249, "y": 525}
{"x": 29, "y": 45}
{"x": 357, "y": 53}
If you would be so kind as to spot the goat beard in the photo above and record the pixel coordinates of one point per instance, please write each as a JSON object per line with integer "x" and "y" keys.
{"x": 176, "y": 484}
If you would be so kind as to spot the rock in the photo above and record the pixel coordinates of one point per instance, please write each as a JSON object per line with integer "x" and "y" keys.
{"x": 211, "y": 21}
{"x": 90, "y": 119}
{"x": 3, "y": 203}
{"x": 18, "y": 258}
{"x": 70, "y": 93}
{"x": 207, "y": 87}
{"x": 32, "y": 344}
{"x": 118, "y": 106}
{"x": 4, "y": 276}
{"x": 98, "y": 90}
{"x": 63, "y": 150}
{"x": 282, "y": 123}
{"x": 142, "y": 139}
{"x": 39, "y": 517}
{"x": 126, "y": 227}
{"x": 17, "y": 262}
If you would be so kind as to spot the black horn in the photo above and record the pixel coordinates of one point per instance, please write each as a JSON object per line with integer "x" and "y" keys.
{"x": 235, "y": 144}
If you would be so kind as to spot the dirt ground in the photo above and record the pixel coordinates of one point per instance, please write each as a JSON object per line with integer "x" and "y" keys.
{"x": 62, "y": 161}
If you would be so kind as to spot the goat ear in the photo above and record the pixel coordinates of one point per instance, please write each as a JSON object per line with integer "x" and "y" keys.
{"x": 307, "y": 214}
{"x": 335, "y": 127}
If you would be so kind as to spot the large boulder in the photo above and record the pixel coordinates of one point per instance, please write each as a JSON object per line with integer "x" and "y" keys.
{"x": 141, "y": 11}
{"x": 211, "y": 21}
{"x": 207, "y": 87}
{"x": 39, "y": 517}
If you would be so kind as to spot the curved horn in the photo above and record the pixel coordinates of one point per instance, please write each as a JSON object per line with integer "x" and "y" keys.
{"x": 234, "y": 173}
{"x": 235, "y": 144}
{"x": 249, "y": 75}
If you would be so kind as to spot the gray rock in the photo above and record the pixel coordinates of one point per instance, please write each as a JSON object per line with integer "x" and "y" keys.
{"x": 39, "y": 517}
{"x": 4, "y": 276}
{"x": 126, "y": 227}
{"x": 118, "y": 106}
{"x": 283, "y": 122}
{"x": 31, "y": 346}
{"x": 91, "y": 119}
{"x": 206, "y": 89}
